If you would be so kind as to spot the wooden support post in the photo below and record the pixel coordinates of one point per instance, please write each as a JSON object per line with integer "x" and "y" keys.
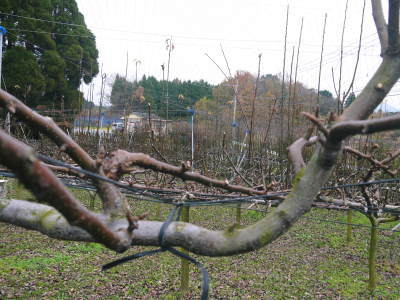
{"x": 238, "y": 213}
{"x": 349, "y": 233}
{"x": 19, "y": 190}
{"x": 373, "y": 244}
{"x": 92, "y": 196}
{"x": 158, "y": 212}
{"x": 3, "y": 188}
{"x": 184, "y": 263}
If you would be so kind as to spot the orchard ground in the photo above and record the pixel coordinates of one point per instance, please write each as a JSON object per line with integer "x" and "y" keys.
{"x": 312, "y": 260}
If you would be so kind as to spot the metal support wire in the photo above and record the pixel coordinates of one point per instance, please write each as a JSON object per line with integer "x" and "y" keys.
{"x": 146, "y": 195}
{"x": 154, "y": 195}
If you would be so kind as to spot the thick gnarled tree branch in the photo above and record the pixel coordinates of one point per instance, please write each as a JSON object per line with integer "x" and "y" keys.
{"x": 306, "y": 184}
{"x": 47, "y": 188}
{"x": 393, "y": 27}
{"x": 296, "y": 151}
{"x": 122, "y": 162}
{"x": 113, "y": 201}
{"x": 380, "y": 23}
{"x": 345, "y": 129}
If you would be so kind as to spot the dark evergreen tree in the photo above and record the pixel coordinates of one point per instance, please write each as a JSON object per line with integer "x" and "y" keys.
{"x": 349, "y": 99}
{"x": 121, "y": 93}
{"x": 327, "y": 102}
{"x": 59, "y": 55}
{"x": 27, "y": 81}
{"x": 181, "y": 95}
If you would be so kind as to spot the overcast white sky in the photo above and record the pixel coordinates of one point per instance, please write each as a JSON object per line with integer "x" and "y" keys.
{"x": 244, "y": 28}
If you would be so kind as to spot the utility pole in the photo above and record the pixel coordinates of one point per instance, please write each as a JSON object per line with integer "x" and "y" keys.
{"x": 126, "y": 66}
{"x": 170, "y": 47}
{"x": 80, "y": 99}
{"x": 126, "y": 96}
{"x": 192, "y": 112}
{"x": 163, "y": 80}
{"x": 3, "y": 32}
{"x": 281, "y": 112}
{"x": 134, "y": 86}
{"x": 91, "y": 87}
{"x": 234, "y": 123}
{"x": 137, "y": 61}
{"x": 103, "y": 81}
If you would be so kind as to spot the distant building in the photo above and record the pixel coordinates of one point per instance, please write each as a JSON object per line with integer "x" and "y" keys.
{"x": 106, "y": 119}
{"x": 140, "y": 120}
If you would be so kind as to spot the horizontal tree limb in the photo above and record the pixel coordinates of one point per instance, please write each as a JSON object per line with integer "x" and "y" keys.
{"x": 49, "y": 221}
{"x": 344, "y": 129}
{"x": 356, "y": 205}
{"x": 43, "y": 218}
{"x": 373, "y": 161}
{"x": 121, "y": 162}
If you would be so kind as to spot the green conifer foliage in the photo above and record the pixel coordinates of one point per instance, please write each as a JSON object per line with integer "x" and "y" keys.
{"x": 45, "y": 61}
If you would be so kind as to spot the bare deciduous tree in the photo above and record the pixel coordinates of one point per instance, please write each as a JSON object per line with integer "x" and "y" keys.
{"x": 63, "y": 217}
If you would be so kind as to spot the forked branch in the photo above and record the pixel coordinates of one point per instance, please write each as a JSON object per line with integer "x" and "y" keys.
{"x": 375, "y": 163}
{"x": 47, "y": 188}
{"x": 199, "y": 240}
{"x": 122, "y": 162}
{"x": 393, "y": 27}
{"x": 380, "y": 23}
{"x": 296, "y": 150}
{"x": 113, "y": 201}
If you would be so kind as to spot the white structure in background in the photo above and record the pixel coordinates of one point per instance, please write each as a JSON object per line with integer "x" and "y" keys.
{"x": 117, "y": 126}
{"x": 140, "y": 120}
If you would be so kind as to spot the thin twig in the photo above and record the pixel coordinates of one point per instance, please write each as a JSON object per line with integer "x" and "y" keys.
{"x": 358, "y": 55}
{"x": 121, "y": 162}
{"x": 320, "y": 61}
{"x": 236, "y": 170}
{"x": 317, "y": 123}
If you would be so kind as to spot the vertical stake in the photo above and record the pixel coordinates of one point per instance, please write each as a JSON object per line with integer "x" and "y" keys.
{"x": 373, "y": 244}
{"x": 349, "y": 233}
{"x": 238, "y": 213}
{"x": 158, "y": 212}
{"x": 3, "y": 188}
{"x": 3, "y": 31}
{"x": 184, "y": 263}
{"x": 192, "y": 142}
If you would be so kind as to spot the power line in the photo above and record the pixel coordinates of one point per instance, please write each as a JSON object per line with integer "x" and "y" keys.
{"x": 335, "y": 52}
{"x": 180, "y": 43}
{"x": 347, "y": 224}
{"x": 158, "y": 34}
{"x": 53, "y": 33}
{"x": 41, "y": 20}
{"x": 314, "y": 65}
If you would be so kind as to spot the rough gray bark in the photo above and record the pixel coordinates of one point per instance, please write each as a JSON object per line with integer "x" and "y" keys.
{"x": 306, "y": 184}
{"x": 113, "y": 201}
